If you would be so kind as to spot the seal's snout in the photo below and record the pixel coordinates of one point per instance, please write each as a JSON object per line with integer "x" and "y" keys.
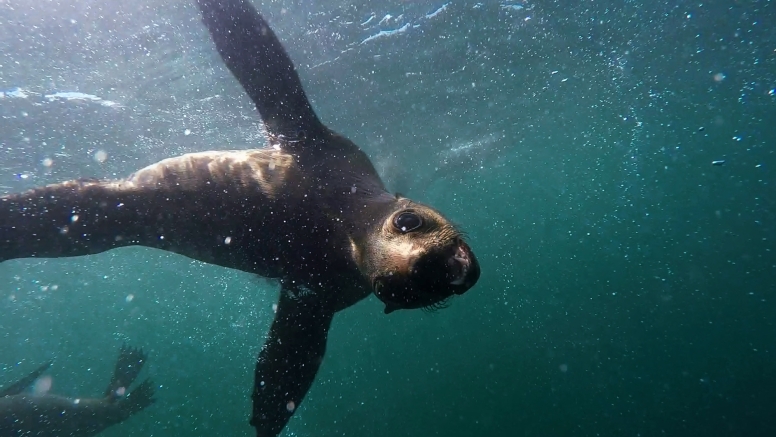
{"x": 439, "y": 274}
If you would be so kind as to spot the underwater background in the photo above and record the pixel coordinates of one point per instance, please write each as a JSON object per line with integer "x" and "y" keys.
{"x": 628, "y": 284}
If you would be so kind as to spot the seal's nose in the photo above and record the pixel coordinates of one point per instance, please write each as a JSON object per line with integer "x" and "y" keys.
{"x": 463, "y": 268}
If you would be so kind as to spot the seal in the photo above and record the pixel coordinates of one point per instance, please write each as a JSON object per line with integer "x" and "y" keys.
{"x": 58, "y": 416}
{"x": 308, "y": 209}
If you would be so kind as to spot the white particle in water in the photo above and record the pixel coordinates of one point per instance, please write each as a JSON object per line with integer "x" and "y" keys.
{"x": 129, "y": 298}
{"x": 47, "y": 162}
{"x": 100, "y": 156}
{"x": 187, "y": 132}
{"x": 227, "y": 240}
{"x": 353, "y": 189}
{"x": 74, "y": 218}
{"x": 290, "y": 406}
{"x": 564, "y": 368}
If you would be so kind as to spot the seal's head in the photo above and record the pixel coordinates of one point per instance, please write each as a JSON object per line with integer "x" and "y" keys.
{"x": 415, "y": 258}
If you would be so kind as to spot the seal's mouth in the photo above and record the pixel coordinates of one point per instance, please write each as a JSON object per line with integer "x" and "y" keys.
{"x": 459, "y": 265}
{"x": 462, "y": 269}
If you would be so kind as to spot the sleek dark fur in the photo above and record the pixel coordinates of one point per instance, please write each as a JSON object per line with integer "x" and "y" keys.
{"x": 309, "y": 210}
{"x": 51, "y": 415}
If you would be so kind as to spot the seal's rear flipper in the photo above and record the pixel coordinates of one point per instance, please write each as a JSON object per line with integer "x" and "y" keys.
{"x": 20, "y": 385}
{"x": 140, "y": 398}
{"x": 256, "y": 58}
{"x": 128, "y": 366}
{"x": 289, "y": 360}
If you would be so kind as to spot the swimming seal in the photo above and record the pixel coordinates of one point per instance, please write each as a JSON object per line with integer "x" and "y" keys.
{"x": 309, "y": 209}
{"x": 52, "y": 415}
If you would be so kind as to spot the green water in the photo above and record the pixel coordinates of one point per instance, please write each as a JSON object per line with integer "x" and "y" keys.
{"x": 627, "y": 283}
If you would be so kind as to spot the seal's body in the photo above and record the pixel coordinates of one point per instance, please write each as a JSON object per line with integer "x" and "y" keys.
{"x": 52, "y": 415}
{"x": 308, "y": 209}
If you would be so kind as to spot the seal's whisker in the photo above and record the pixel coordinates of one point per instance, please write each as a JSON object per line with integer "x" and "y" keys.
{"x": 436, "y": 306}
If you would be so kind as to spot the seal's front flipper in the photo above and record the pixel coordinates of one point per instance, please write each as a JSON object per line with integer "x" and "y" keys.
{"x": 289, "y": 360}
{"x": 256, "y": 58}
{"x": 20, "y": 385}
{"x": 128, "y": 366}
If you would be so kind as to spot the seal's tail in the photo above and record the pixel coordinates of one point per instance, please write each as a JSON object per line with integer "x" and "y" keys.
{"x": 128, "y": 366}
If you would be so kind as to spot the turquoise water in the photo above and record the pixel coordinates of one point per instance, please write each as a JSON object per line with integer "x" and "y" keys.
{"x": 627, "y": 283}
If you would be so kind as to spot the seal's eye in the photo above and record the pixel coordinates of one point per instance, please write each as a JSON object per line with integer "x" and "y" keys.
{"x": 407, "y": 222}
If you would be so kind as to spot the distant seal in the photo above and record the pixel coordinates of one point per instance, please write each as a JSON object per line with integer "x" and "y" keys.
{"x": 51, "y": 415}
{"x": 308, "y": 209}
